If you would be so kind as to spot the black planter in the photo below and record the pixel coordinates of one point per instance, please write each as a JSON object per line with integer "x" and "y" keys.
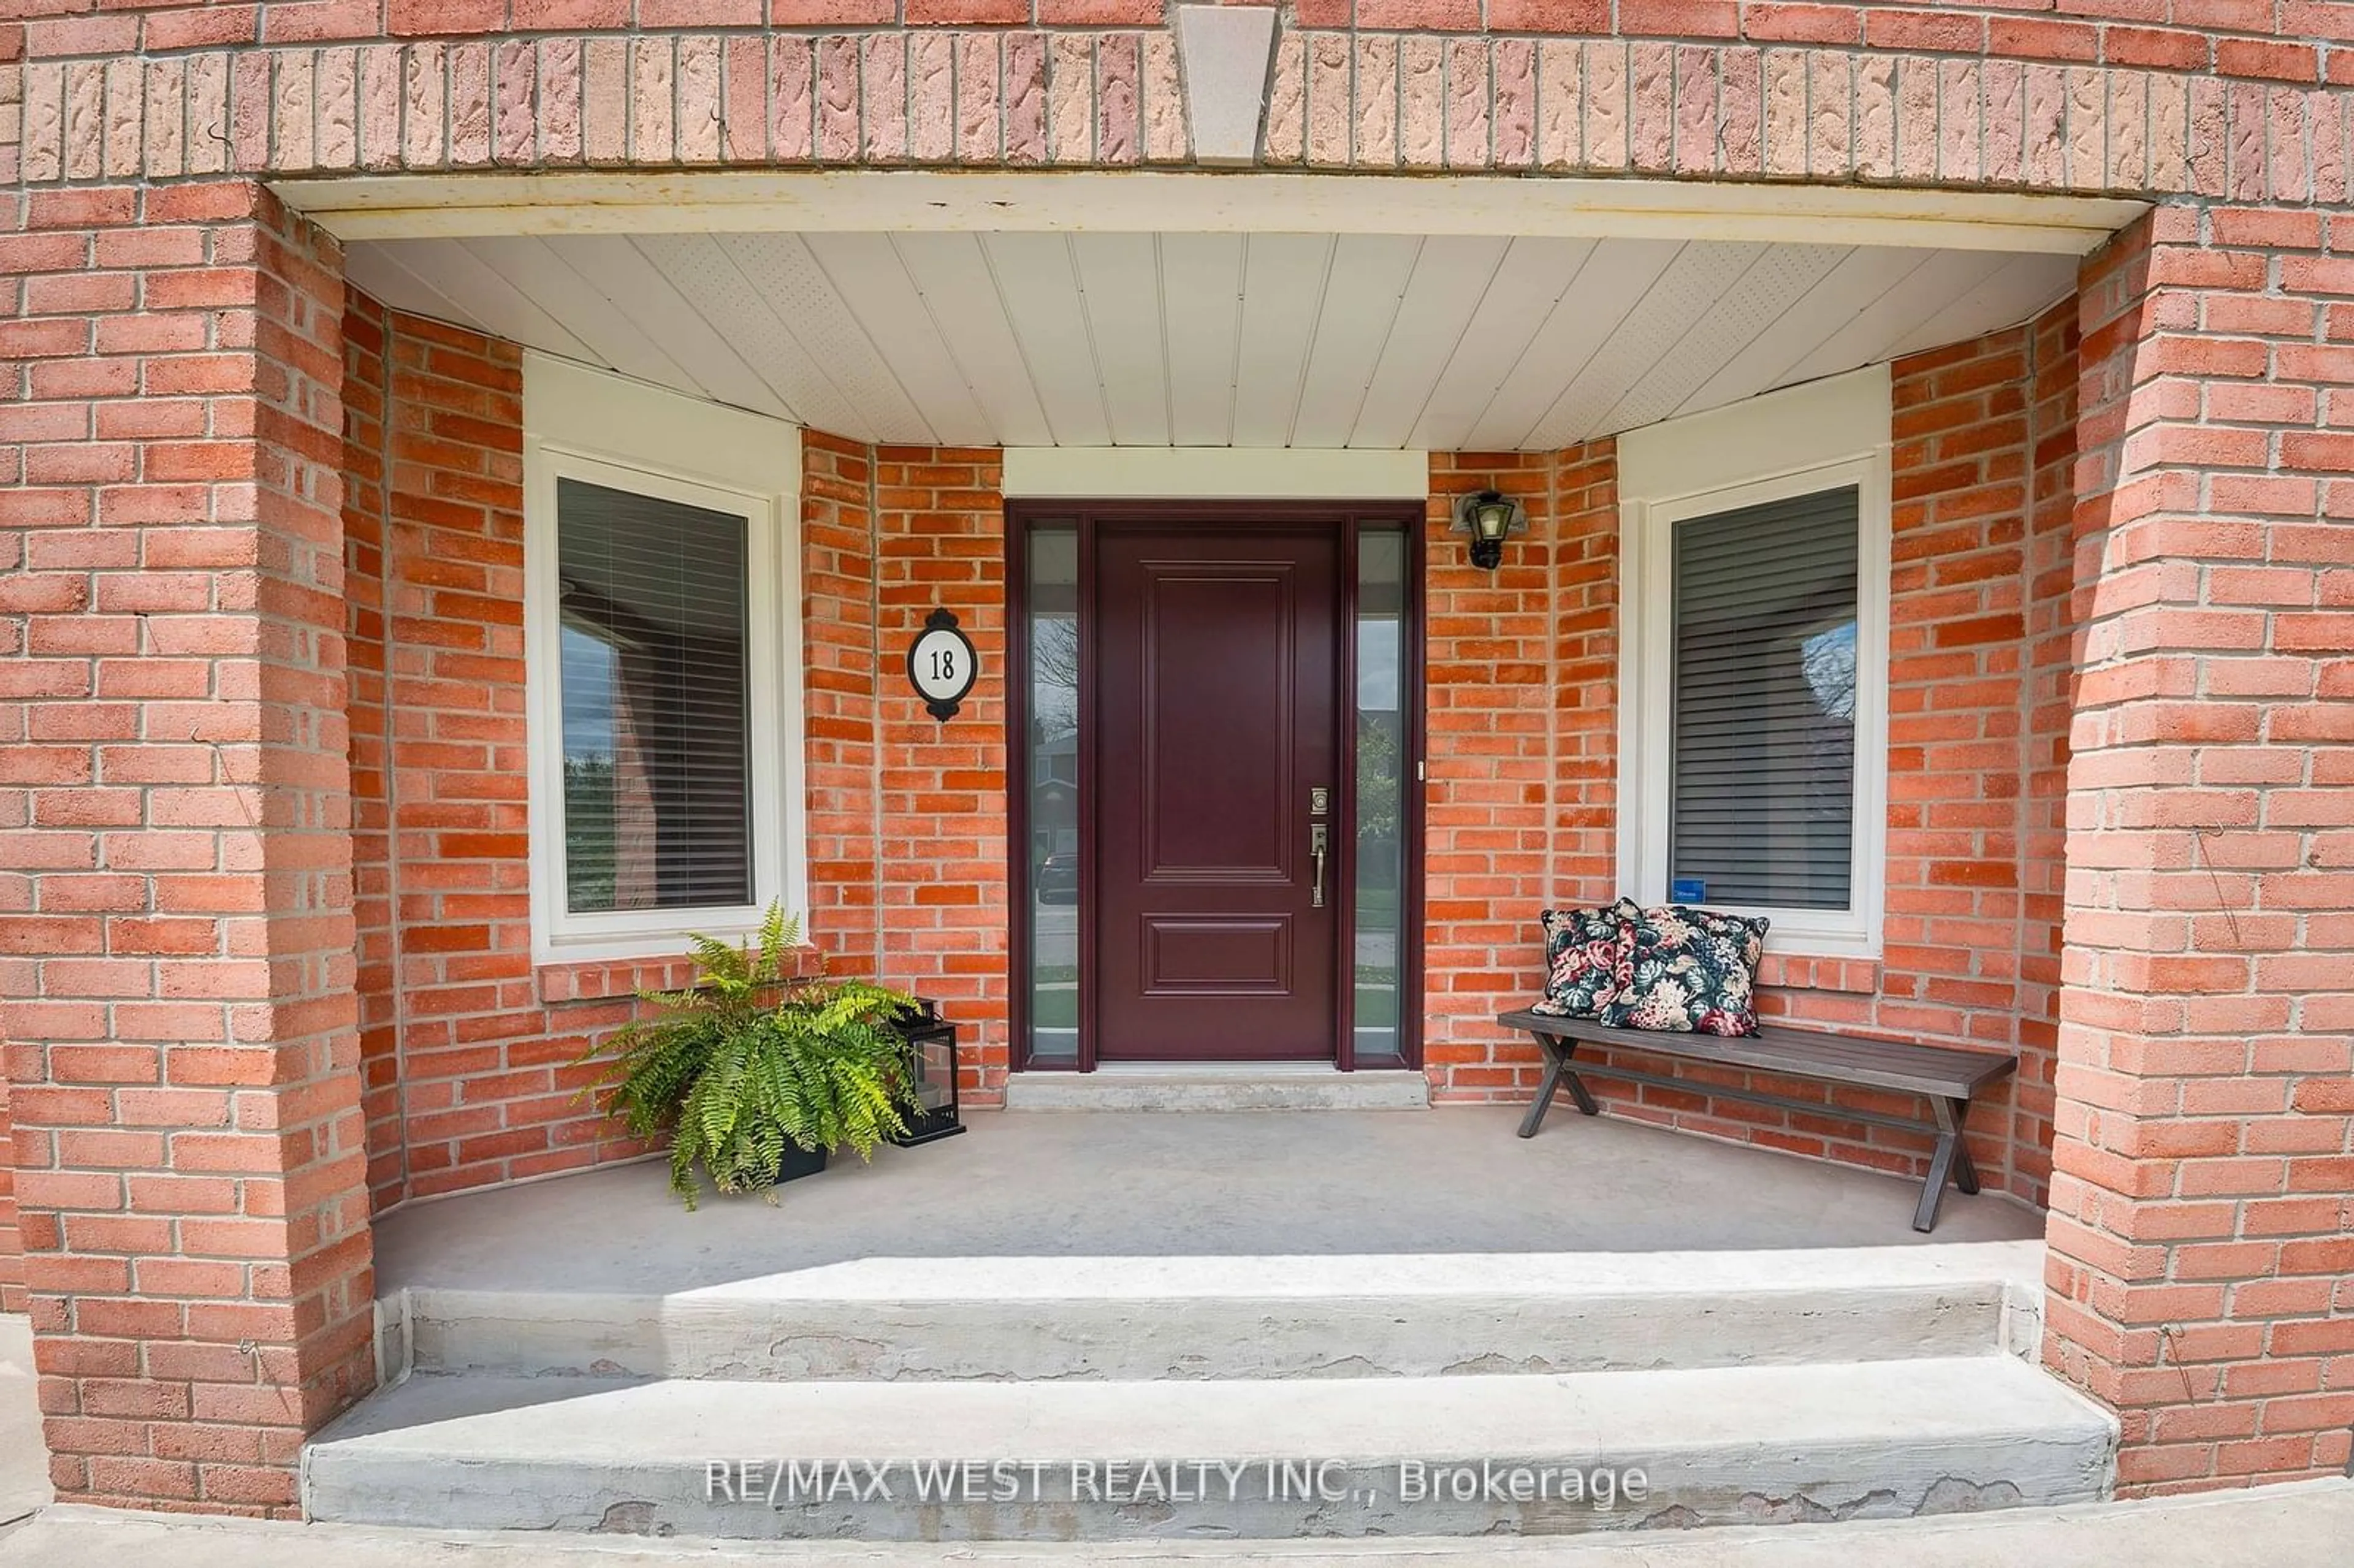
{"x": 798, "y": 1162}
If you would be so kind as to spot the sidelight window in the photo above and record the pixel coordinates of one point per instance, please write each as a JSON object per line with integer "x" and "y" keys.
{"x": 1381, "y": 742}
{"x": 1050, "y": 806}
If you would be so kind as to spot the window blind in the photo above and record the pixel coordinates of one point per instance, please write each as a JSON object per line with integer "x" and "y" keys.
{"x": 656, "y": 680}
{"x": 1762, "y": 798}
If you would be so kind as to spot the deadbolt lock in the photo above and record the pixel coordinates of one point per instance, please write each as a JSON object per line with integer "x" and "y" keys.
{"x": 1320, "y": 800}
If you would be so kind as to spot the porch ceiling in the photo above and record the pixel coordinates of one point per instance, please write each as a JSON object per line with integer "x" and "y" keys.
{"x": 1443, "y": 341}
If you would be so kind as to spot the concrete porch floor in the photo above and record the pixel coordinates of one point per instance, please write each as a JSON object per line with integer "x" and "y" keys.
{"x": 1204, "y": 1184}
{"x": 24, "y": 1462}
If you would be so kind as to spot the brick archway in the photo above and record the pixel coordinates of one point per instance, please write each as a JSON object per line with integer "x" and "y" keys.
{"x": 186, "y": 1091}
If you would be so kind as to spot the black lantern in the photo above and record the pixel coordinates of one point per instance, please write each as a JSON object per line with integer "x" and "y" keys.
{"x": 932, "y": 1058}
{"x": 1488, "y": 516}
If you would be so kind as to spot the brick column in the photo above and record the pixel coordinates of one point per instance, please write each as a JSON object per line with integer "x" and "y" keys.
{"x": 2201, "y": 1230}
{"x": 177, "y": 945}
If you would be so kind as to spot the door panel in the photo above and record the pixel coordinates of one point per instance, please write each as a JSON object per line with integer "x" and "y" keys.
{"x": 1216, "y": 741}
{"x": 1226, "y": 956}
{"x": 1215, "y": 716}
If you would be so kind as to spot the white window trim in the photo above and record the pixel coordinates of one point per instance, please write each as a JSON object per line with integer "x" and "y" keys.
{"x": 1825, "y": 436}
{"x": 585, "y": 424}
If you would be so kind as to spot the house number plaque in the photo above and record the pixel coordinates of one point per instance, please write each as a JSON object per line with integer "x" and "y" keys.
{"x": 941, "y": 665}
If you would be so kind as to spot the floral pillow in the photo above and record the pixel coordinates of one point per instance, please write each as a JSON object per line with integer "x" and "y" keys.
{"x": 1690, "y": 972}
{"x": 1589, "y": 955}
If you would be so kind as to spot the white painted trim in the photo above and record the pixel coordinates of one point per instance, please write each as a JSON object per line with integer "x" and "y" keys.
{"x": 1823, "y": 422}
{"x": 1213, "y": 473}
{"x": 654, "y": 428}
{"x": 613, "y": 432}
{"x": 1827, "y": 436}
{"x": 411, "y": 206}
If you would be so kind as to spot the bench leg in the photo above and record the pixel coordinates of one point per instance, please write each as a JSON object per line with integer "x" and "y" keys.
{"x": 1557, "y": 1070}
{"x": 1966, "y": 1174}
{"x": 1951, "y": 1162}
{"x": 1586, "y": 1106}
{"x": 1554, "y": 1068}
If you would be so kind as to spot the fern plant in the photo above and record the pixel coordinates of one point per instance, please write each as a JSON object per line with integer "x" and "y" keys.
{"x": 749, "y": 1059}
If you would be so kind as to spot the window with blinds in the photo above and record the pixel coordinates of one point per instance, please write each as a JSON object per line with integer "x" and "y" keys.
{"x": 1762, "y": 787}
{"x": 656, "y": 680}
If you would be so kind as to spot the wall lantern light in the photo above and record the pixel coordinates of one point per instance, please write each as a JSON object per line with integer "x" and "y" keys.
{"x": 932, "y": 1060}
{"x": 1488, "y": 517}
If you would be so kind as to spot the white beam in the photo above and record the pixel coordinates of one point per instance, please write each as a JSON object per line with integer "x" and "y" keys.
{"x": 1216, "y": 473}
{"x": 394, "y": 207}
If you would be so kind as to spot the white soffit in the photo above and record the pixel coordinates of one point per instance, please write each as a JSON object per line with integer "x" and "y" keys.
{"x": 1385, "y": 340}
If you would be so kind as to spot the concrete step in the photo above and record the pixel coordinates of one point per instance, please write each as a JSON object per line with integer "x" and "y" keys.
{"x": 1242, "y": 1087}
{"x": 2292, "y": 1524}
{"x": 1112, "y": 1319}
{"x": 1239, "y": 1459}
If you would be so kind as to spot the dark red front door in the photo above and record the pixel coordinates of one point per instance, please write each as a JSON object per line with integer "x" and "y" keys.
{"x": 1216, "y": 723}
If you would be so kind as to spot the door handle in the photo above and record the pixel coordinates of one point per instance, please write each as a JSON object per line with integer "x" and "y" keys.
{"x": 1318, "y": 837}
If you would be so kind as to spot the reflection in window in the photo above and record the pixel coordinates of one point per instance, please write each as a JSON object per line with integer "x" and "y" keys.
{"x": 653, "y": 682}
{"x": 1380, "y": 792}
{"x": 1761, "y": 803}
{"x": 1053, "y": 769}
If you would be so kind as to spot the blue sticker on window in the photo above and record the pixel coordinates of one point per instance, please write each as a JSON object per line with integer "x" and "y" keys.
{"x": 1689, "y": 890}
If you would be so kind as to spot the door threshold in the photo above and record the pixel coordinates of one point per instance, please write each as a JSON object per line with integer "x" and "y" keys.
{"x": 1221, "y": 1069}
{"x": 1218, "y": 1087}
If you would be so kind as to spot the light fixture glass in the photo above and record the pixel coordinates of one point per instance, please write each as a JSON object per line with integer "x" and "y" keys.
{"x": 1488, "y": 516}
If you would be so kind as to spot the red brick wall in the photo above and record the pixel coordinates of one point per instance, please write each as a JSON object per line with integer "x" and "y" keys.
{"x": 2202, "y": 1244}
{"x": 175, "y": 969}
{"x": 1520, "y": 807}
{"x": 367, "y": 335}
{"x": 1977, "y": 740}
{"x": 2254, "y": 40}
{"x": 842, "y": 654}
{"x": 908, "y": 824}
{"x": 466, "y": 1045}
{"x": 1488, "y": 815}
{"x": 1585, "y": 771}
{"x": 940, "y": 810}
{"x": 2054, "y": 643}
{"x": 467, "y": 1048}
{"x": 1971, "y": 734}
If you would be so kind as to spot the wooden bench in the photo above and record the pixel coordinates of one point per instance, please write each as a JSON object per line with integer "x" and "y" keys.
{"x": 1946, "y": 1079}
